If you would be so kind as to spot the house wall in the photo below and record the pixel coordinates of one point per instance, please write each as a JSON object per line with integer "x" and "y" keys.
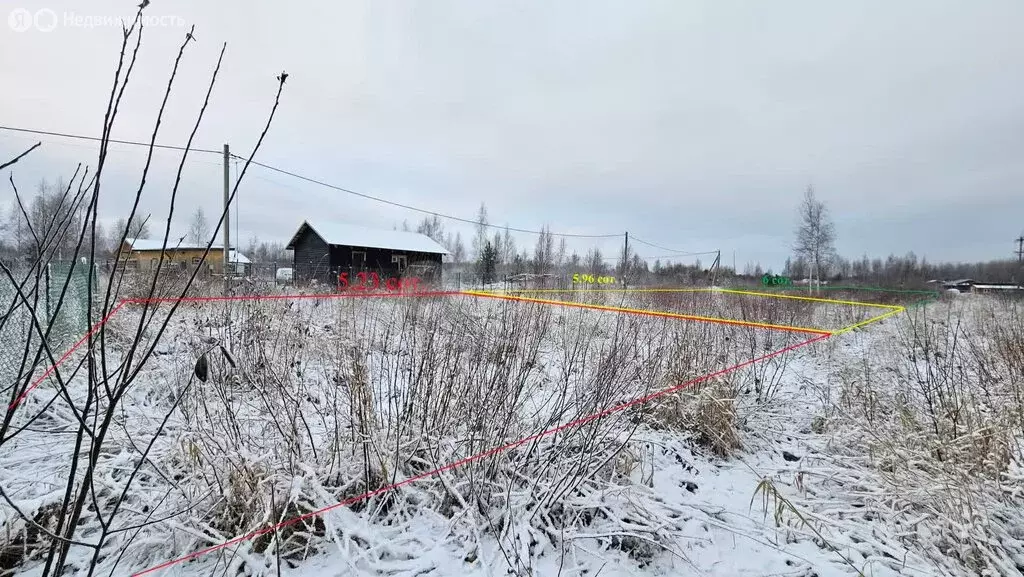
{"x": 310, "y": 259}
{"x": 183, "y": 259}
{"x": 379, "y": 260}
{"x": 314, "y": 259}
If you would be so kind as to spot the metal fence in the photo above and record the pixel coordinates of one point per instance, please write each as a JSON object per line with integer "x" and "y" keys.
{"x": 63, "y": 321}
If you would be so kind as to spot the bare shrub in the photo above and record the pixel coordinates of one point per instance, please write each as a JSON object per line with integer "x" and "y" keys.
{"x": 100, "y": 466}
{"x": 945, "y": 413}
{"x": 346, "y": 395}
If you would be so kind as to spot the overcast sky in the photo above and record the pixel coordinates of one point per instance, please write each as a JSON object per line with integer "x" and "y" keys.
{"x": 693, "y": 125}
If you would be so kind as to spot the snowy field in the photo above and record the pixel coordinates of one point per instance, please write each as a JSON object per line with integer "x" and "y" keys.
{"x": 888, "y": 450}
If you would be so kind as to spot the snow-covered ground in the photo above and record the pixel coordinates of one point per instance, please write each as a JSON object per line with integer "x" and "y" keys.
{"x": 816, "y": 462}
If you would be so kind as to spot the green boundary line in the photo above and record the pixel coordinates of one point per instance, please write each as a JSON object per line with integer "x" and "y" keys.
{"x": 859, "y": 288}
{"x": 922, "y": 302}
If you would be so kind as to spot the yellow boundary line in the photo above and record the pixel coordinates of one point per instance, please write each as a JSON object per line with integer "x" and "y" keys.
{"x": 603, "y": 290}
{"x": 814, "y": 299}
{"x": 682, "y": 290}
{"x": 650, "y": 313}
{"x": 894, "y": 309}
{"x": 869, "y": 321}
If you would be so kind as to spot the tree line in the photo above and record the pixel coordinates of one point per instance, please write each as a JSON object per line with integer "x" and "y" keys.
{"x": 815, "y": 257}
{"x": 26, "y": 219}
{"x": 491, "y": 256}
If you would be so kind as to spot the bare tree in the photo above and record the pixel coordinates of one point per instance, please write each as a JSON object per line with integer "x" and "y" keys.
{"x": 815, "y": 235}
{"x": 199, "y": 229}
{"x": 458, "y": 249}
{"x": 480, "y": 239}
{"x": 574, "y": 261}
{"x": 563, "y": 249}
{"x": 508, "y": 245}
{"x": 499, "y": 250}
{"x": 432, "y": 227}
{"x": 102, "y": 375}
{"x": 543, "y": 252}
{"x": 594, "y": 262}
{"x": 136, "y": 228}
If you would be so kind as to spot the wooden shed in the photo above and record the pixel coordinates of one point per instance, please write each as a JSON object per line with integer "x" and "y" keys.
{"x": 324, "y": 250}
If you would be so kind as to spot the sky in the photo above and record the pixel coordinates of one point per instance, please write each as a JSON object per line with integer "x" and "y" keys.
{"x": 694, "y": 126}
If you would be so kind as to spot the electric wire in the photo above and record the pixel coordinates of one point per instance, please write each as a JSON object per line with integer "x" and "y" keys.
{"x": 430, "y": 212}
{"x": 98, "y": 139}
{"x": 313, "y": 181}
{"x": 346, "y": 190}
{"x": 674, "y": 252}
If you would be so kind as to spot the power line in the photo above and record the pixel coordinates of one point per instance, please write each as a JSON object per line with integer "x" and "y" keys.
{"x": 97, "y": 139}
{"x": 313, "y": 181}
{"x": 675, "y": 252}
{"x": 352, "y": 192}
{"x": 656, "y": 257}
{"x": 431, "y": 212}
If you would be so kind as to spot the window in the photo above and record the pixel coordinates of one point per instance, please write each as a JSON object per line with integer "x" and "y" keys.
{"x": 197, "y": 259}
{"x": 401, "y": 260}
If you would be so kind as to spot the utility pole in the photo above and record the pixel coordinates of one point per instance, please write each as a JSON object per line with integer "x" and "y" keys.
{"x": 625, "y": 259}
{"x": 1020, "y": 255}
{"x": 227, "y": 218}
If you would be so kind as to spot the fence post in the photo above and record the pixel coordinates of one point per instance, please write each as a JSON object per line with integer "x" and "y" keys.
{"x": 48, "y": 265}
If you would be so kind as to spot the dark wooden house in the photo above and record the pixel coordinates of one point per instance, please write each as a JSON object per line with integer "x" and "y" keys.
{"x": 324, "y": 250}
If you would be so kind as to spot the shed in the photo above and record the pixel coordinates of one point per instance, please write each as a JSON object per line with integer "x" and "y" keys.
{"x": 963, "y": 285}
{"x": 1004, "y": 288}
{"x": 323, "y": 250}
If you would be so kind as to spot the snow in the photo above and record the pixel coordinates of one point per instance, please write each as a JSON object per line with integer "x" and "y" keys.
{"x": 665, "y": 504}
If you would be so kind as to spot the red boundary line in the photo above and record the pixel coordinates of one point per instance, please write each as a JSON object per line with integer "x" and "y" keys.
{"x": 160, "y": 300}
{"x": 477, "y": 457}
{"x": 354, "y": 294}
{"x": 66, "y": 355}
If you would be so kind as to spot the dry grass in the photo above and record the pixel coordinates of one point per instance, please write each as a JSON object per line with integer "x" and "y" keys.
{"x": 313, "y": 401}
{"x": 362, "y": 393}
{"x": 943, "y": 425}
{"x": 707, "y": 413}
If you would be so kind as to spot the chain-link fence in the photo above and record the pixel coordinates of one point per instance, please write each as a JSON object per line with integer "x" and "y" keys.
{"x": 64, "y": 321}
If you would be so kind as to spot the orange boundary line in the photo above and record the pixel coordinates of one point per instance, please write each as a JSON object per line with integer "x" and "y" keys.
{"x": 820, "y": 335}
{"x": 652, "y": 313}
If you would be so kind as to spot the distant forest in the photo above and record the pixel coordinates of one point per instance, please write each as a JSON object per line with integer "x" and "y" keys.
{"x": 496, "y": 256}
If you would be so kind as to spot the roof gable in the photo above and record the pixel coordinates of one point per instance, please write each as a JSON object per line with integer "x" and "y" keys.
{"x": 361, "y": 236}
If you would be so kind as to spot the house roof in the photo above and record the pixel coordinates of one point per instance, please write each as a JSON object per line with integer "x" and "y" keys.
{"x": 360, "y": 236}
{"x": 237, "y": 257}
{"x": 999, "y": 286}
{"x": 154, "y": 244}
